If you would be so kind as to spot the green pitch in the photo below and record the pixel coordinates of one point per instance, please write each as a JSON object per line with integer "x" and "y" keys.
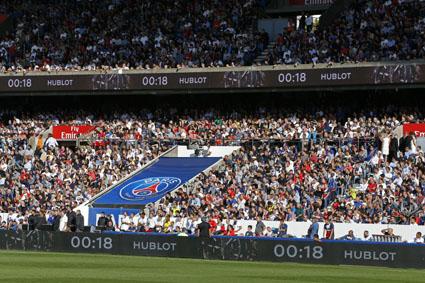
{"x": 79, "y": 268}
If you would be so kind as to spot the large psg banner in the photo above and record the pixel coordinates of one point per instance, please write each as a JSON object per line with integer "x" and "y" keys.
{"x": 151, "y": 184}
{"x": 223, "y": 248}
{"x": 277, "y": 78}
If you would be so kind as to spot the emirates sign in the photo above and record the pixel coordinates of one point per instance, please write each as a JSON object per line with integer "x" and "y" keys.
{"x": 71, "y": 133}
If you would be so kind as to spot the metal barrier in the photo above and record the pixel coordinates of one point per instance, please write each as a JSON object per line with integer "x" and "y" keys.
{"x": 386, "y": 238}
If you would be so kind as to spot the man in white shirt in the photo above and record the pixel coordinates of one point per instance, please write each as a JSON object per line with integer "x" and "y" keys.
{"x": 135, "y": 219}
{"x": 143, "y": 220}
{"x": 51, "y": 142}
{"x": 268, "y": 232}
{"x": 63, "y": 227}
{"x": 151, "y": 222}
{"x": 418, "y": 238}
{"x": 125, "y": 222}
{"x": 159, "y": 223}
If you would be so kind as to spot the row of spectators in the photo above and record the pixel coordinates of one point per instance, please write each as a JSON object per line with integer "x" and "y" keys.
{"x": 135, "y": 34}
{"x": 369, "y": 30}
{"x": 194, "y": 226}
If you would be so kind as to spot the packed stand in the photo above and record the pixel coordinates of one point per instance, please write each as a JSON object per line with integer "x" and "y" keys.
{"x": 50, "y": 177}
{"x": 293, "y": 165}
{"x": 378, "y": 30}
{"x": 98, "y": 35}
{"x": 89, "y": 35}
{"x": 348, "y": 183}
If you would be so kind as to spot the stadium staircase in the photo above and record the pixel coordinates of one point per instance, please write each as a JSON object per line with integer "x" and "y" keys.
{"x": 327, "y": 18}
{"x": 263, "y": 56}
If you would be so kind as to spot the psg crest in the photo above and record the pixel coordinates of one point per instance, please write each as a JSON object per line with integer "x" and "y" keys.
{"x": 148, "y": 188}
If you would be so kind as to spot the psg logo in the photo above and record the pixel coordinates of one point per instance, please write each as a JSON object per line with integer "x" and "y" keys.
{"x": 148, "y": 188}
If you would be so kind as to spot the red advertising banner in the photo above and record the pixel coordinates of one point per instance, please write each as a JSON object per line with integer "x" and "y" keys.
{"x": 67, "y": 132}
{"x": 417, "y": 129}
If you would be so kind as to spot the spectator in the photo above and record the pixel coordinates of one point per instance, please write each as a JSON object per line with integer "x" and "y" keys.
{"x": 32, "y": 220}
{"x": 40, "y": 221}
{"x": 309, "y": 23}
{"x": 51, "y": 142}
{"x": 313, "y": 229}
{"x": 102, "y": 221}
{"x": 56, "y": 220}
{"x": 328, "y": 230}
{"x": 350, "y": 236}
{"x": 203, "y": 229}
{"x": 268, "y": 232}
{"x": 180, "y": 233}
{"x": 231, "y": 230}
{"x": 125, "y": 222}
{"x": 388, "y": 232}
{"x": 283, "y": 229}
{"x": 249, "y": 232}
{"x": 418, "y": 238}
{"x": 366, "y": 236}
{"x": 109, "y": 226}
{"x": 259, "y": 227}
{"x": 63, "y": 227}
{"x": 71, "y": 216}
{"x": 79, "y": 221}
{"x": 393, "y": 148}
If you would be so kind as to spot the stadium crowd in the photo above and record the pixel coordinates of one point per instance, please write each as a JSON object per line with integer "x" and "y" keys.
{"x": 294, "y": 165}
{"x": 378, "y": 30}
{"x": 73, "y": 35}
{"x": 135, "y": 34}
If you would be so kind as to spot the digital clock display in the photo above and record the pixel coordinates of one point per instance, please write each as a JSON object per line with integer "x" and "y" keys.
{"x": 19, "y": 83}
{"x": 292, "y": 77}
{"x": 292, "y": 251}
{"x": 89, "y": 243}
{"x": 155, "y": 81}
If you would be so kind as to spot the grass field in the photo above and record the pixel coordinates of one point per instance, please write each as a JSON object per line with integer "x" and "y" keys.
{"x": 79, "y": 268}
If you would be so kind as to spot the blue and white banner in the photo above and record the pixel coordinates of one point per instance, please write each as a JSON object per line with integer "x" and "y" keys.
{"x": 151, "y": 184}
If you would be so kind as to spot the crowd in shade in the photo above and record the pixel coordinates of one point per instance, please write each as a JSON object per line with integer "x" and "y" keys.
{"x": 293, "y": 165}
{"x": 89, "y": 35}
{"x": 135, "y": 34}
{"x": 378, "y": 30}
